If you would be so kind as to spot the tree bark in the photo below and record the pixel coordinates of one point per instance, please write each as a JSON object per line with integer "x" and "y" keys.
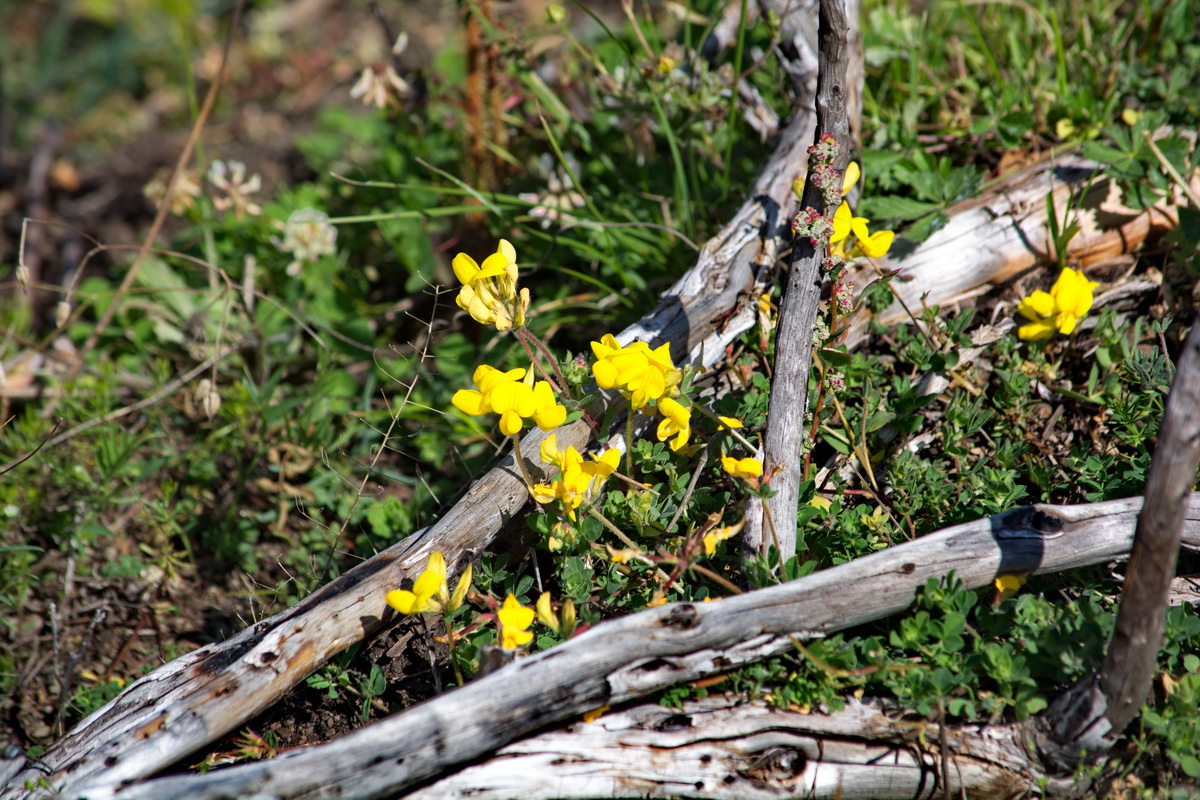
{"x": 628, "y": 658}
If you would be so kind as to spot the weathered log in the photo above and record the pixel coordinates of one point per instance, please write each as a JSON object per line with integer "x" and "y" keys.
{"x": 626, "y": 659}
{"x": 725, "y": 748}
{"x": 994, "y": 238}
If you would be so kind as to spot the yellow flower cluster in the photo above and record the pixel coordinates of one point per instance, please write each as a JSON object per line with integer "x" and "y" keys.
{"x": 430, "y": 591}
{"x": 514, "y": 396}
{"x": 641, "y": 374}
{"x": 645, "y": 376}
{"x": 489, "y": 291}
{"x": 1059, "y": 310}
{"x": 579, "y": 480}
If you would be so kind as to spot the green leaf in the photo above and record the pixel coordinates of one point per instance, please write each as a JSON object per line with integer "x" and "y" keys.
{"x": 895, "y": 207}
{"x": 834, "y": 357}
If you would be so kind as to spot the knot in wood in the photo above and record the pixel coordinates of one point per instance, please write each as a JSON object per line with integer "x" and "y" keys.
{"x": 682, "y": 617}
{"x": 775, "y": 765}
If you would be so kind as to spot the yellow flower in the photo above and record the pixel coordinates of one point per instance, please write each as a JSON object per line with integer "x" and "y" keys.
{"x": 732, "y": 422}
{"x": 580, "y": 480}
{"x": 1008, "y": 585}
{"x": 877, "y": 244}
{"x": 489, "y": 291}
{"x": 514, "y": 396}
{"x": 745, "y": 468}
{"x": 1059, "y": 310}
{"x": 430, "y": 591}
{"x": 1131, "y": 116}
{"x": 677, "y": 422}
{"x": 514, "y": 619}
{"x": 845, "y": 223}
{"x": 641, "y": 374}
{"x": 721, "y": 534}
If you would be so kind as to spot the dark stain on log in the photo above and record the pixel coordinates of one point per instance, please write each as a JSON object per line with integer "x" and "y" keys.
{"x": 675, "y": 722}
{"x": 656, "y": 664}
{"x": 682, "y": 617}
{"x": 1042, "y": 522}
{"x": 226, "y": 657}
{"x": 908, "y": 568}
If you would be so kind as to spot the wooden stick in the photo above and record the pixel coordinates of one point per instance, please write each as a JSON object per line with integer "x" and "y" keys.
{"x": 798, "y": 308}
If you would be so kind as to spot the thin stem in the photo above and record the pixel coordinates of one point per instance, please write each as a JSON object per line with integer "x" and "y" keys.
{"x": 458, "y": 676}
{"x": 629, "y": 442}
{"x": 775, "y": 538}
{"x": 620, "y": 534}
{"x": 521, "y": 461}
{"x": 560, "y": 386}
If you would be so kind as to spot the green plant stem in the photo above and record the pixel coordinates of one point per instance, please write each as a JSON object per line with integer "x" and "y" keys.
{"x": 458, "y": 676}
{"x": 775, "y": 538}
{"x": 620, "y": 534}
{"x": 629, "y": 442}
{"x": 1169, "y": 168}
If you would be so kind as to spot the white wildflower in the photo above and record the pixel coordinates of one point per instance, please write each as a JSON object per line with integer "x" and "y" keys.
{"x": 307, "y": 236}
{"x": 231, "y": 179}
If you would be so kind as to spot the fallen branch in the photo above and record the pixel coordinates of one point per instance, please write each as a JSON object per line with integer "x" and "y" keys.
{"x": 728, "y": 749}
{"x": 628, "y": 658}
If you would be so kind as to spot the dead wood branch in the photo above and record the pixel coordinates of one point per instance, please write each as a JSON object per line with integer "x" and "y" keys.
{"x": 1086, "y": 721}
{"x": 784, "y": 445}
{"x": 628, "y": 658}
{"x": 993, "y": 238}
{"x": 728, "y": 749}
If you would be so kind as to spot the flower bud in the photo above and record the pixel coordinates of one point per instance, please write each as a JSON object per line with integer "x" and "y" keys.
{"x": 62, "y": 313}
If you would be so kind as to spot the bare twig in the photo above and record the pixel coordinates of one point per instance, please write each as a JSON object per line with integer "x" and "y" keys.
{"x": 798, "y": 308}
